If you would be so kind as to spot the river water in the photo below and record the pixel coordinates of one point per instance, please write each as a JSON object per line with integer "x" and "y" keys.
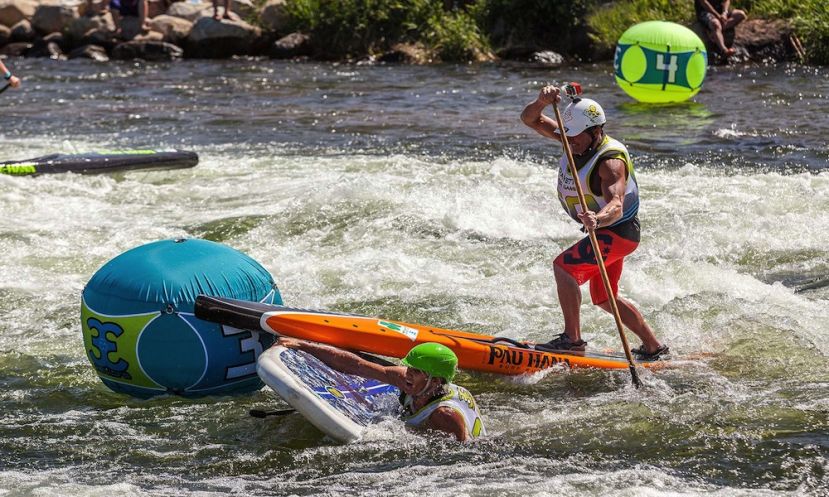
{"x": 415, "y": 193}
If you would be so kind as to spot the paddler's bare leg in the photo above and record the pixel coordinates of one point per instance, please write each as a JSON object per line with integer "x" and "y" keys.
{"x": 569, "y": 297}
{"x": 632, "y": 318}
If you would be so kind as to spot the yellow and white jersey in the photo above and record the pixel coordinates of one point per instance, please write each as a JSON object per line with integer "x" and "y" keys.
{"x": 457, "y": 398}
{"x": 568, "y": 196}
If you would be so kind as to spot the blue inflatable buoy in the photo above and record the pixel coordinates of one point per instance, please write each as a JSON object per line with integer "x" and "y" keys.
{"x": 139, "y": 330}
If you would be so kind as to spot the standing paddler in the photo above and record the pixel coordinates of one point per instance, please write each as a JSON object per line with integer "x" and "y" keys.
{"x": 605, "y": 173}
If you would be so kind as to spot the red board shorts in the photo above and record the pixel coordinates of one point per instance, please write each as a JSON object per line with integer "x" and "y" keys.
{"x": 580, "y": 262}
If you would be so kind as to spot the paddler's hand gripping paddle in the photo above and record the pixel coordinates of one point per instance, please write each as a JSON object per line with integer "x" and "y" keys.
{"x": 573, "y": 90}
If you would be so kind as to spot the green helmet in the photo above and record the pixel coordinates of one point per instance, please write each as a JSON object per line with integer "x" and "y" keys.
{"x": 434, "y": 359}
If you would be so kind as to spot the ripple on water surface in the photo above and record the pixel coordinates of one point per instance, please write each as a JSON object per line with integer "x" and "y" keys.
{"x": 387, "y": 192}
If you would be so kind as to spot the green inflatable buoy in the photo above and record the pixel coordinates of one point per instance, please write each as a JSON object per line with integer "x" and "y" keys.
{"x": 659, "y": 62}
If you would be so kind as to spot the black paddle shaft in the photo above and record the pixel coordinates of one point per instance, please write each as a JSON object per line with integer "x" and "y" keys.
{"x": 237, "y": 313}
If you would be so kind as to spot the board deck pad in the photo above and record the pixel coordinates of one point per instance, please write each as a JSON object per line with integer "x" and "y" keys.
{"x": 339, "y": 404}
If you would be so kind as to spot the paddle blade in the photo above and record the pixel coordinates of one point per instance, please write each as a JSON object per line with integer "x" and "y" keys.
{"x": 259, "y": 413}
{"x": 634, "y": 375}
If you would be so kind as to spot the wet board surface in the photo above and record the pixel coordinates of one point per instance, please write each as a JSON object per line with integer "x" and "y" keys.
{"x": 339, "y": 404}
{"x": 101, "y": 162}
{"x": 389, "y": 338}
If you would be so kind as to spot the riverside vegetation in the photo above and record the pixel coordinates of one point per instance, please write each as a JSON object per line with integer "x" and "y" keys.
{"x": 415, "y": 31}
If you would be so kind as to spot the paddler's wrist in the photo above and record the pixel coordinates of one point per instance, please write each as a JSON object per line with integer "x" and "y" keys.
{"x": 8, "y": 75}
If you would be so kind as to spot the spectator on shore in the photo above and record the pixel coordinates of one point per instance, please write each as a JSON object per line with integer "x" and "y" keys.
{"x": 122, "y": 9}
{"x": 8, "y": 77}
{"x": 717, "y": 16}
{"x": 216, "y": 9}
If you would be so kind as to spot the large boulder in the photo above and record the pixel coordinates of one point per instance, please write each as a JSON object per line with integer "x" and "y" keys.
{"x": 211, "y": 39}
{"x": 147, "y": 50}
{"x": 195, "y": 11}
{"x": 14, "y": 11}
{"x": 274, "y": 17}
{"x": 130, "y": 28}
{"x": 93, "y": 52}
{"x": 156, "y": 8}
{"x": 51, "y": 18}
{"x": 290, "y": 46}
{"x": 766, "y": 39}
{"x": 51, "y": 45}
{"x": 547, "y": 58}
{"x": 174, "y": 29}
{"x": 15, "y": 49}
{"x": 82, "y": 25}
{"x": 99, "y": 37}
{"x": 246, "y": 10}
{"x": 186, "y": 10}
{"x": 5, "y": 35}
{"x": 96, "y": 7}
{"x": 406, "y": 53}
{"x": 23, "y": 32}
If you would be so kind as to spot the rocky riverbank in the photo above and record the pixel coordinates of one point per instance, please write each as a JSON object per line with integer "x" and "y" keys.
{"x": 70, "y": 29}
{"x": 67, "y": 29}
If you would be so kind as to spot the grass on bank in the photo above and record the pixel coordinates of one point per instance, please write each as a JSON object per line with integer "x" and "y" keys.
{"x": 608, "y": 22}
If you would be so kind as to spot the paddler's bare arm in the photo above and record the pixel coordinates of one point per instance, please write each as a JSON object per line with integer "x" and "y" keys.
{"x": 533, "y": 117}
{"x": 14, "y": 81}
{"x": 348, "y": 363}
{"x": 449, "y": 421}
{"x": 613, "y": 176}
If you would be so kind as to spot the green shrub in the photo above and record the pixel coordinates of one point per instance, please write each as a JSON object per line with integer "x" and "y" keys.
{"x": 454, "y": 36}
{"x": 556, "y": 24}
{"x": 354, "y": 28}
{"x": 348, "y": 28}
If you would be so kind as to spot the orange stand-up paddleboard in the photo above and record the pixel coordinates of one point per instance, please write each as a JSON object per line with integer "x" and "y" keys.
{"x": 395, "y": 339}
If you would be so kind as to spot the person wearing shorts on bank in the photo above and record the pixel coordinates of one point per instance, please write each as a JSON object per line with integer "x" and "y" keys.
{"x": 129, "y": 8}
{"x": 717, "y": 16}
{"x": 605, "y": 172}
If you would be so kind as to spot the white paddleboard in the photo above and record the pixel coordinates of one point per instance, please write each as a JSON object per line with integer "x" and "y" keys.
{"x": 339, "y": 404}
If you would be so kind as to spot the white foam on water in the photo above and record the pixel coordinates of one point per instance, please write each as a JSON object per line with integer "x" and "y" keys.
{"x": 494, "y": 235}
{"x": 733, "y": 132}
{"x": 473, "y": 240}
{"x": 516, "y": 477}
